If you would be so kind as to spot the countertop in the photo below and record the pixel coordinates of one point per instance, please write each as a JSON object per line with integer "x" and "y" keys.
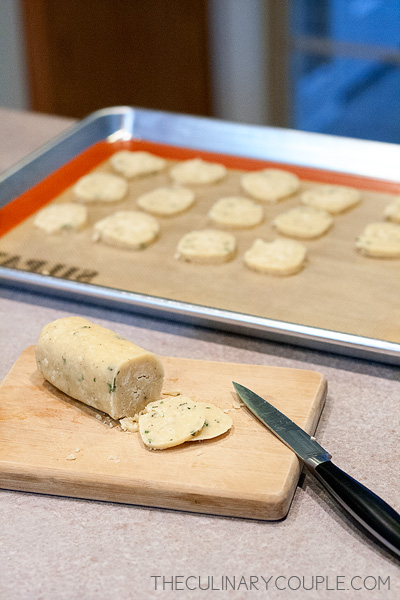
{"x": 63, "y": 548}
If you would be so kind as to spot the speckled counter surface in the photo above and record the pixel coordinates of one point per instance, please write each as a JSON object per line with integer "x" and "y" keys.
{"x": 63, "y": 548}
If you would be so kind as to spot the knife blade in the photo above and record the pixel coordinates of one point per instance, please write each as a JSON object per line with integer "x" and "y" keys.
{"x": 368, "y": 509}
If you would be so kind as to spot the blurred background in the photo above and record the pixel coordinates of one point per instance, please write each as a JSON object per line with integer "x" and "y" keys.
{"x": 330, "y": 66}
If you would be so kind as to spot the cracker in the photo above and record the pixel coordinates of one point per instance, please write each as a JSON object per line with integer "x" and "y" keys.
{"x": 133, "y": 230}
{"x": 100, "y": 187}
{"x": 392, "y": 211}
{"x": 280, "y": 257}
{"x": 166, "y": 201}
{"x": 237, "y": 212}
{"x": 207, "y": 246}
{"x": 61, "y": 218}
{"x": 381, "y": 240}
{"x": 168, "y": 423}
{"x": 303, "y": 222}
{"x": 333, "y": 198}
{"x": 136, "y": 164}
{"x": 270, "y": 185}
{"x": 197, "y": 171}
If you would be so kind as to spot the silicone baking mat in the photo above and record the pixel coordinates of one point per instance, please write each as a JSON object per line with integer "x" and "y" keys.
{"x": 339, "y": 289}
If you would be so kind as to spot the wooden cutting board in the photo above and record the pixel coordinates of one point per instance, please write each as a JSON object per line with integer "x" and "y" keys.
{"x": 247, "y": 472}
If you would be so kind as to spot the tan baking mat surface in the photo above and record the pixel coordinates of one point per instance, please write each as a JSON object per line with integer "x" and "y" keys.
{"x": 339, "y": 289}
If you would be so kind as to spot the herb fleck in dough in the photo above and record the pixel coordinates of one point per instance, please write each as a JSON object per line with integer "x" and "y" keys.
{"x": 61, "y": 218}
{"x": 333, "y": 198}
{"x": 207, "y": 246}
{"x": 270, "y": 185}
{"x": 303, "y": 222}
{"x": 280, "y": 257}
{"x": 166, "y": 201}
{"x": 132, "y": 230}
{"x": 197, "y": 172}
{"x": 135, "y": 164}
{"x": 381, "y": 240}
{"x": 100, "y": 187}
{"x": 236, "y": 212}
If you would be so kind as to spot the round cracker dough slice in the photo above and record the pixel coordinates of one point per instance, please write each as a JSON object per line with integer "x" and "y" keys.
{"x": 333, "y": 198}
{"x": 303, "y": 222}
{"x": 270, "y": 185}
{"x": 100, "y": 187}
{"x": 381, "y": 240}
{"x": 280, "y": 257}
{"x": 236, "y": 211}
{"x": 133, "y": 230}
{"x": 197, "y": 172}
{"x": 135, "y": 164}
{"x": 392, "y": 211}
{"x": 168, "y": 423}
{"x": 61, "y": 218}
{"x": 216, "y": 422}
{"x": 207, "y": 246}
{"x": 166, "y": 201}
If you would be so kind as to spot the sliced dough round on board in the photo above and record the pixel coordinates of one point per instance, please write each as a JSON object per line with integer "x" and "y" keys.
{"x": 303, "y": 222}
{"x": 197, "y": 172}
{"x": 166, "y": 201}
{"x": 216, "y": 422}
{"x": 168, "y": 423}
{"x": 100, "y": 187}
{"x": 280, "y": 257}
{"x": 61, "y": 218}
{"x": 381, "y": 240}
{"x": 237, "y": 212}
{"x": 207, "y": 246}
{"x": 333, "y": 198}
{"x": 135, "y": 164}
{"x": 270, "y": 185}
{"x": 392, "y": 211}
{"x": 133, "y": 230}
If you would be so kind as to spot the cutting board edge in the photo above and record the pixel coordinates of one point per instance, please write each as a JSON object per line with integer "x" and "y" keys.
{"x": 272, "y": 507}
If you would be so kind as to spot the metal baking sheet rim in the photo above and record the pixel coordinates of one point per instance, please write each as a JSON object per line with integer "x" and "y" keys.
{"x": 280, "y": 331}
{"x": 279, "y": 145}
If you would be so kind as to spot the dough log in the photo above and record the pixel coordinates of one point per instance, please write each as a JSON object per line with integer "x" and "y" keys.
{"x": 98, "y": 367}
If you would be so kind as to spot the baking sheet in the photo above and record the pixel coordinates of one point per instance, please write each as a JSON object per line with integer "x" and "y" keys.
{"x": 331, "y": 301}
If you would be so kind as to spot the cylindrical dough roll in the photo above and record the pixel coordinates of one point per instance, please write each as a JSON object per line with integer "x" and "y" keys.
{"x": 98, "y": 367}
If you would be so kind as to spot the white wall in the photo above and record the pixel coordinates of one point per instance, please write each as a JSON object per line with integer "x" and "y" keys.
{"x": 13, "y": 74}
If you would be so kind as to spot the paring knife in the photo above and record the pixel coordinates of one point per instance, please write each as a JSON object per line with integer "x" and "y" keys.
{"x": 373, "y": 513}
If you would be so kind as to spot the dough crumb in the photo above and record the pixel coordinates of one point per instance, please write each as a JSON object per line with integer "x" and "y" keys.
{"x": 70, "y": 456}
{"x": 130, "y": 424}
{"x": 171, "y": 393}
{"x": 237, "y": 404}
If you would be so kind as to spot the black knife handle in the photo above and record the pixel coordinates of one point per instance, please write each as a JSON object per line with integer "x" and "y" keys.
{"x": 373, "y": 513}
